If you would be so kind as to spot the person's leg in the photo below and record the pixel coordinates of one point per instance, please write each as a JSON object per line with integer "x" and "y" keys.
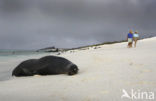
{"x": 128, "y": 45}
{"x": 131, "y": 45}
{"x": 134, "y": 39}
{"x": 136, "y": 42}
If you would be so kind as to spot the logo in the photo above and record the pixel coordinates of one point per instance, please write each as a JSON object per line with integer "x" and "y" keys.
{"x": 137, "y": 95}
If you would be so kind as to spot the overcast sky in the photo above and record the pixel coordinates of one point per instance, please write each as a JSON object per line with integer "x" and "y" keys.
{"x": 35, "y": 24}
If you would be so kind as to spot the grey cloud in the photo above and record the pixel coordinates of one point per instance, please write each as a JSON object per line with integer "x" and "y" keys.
{"x": 33, "y": 24}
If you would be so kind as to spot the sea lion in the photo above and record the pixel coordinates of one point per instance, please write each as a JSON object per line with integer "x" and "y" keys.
{"x": 48, "y": 65}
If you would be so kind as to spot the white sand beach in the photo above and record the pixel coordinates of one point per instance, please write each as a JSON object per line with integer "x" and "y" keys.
{"x": 104, "y": 73}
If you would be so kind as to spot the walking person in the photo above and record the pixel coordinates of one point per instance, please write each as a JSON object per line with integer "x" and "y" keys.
{"x": 130, "y": 38}
{"x": 135, "y": 38}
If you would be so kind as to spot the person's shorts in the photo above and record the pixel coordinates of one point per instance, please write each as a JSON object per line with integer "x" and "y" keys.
{"x": 130, "y": 40}
{"x": 135, "y": 38}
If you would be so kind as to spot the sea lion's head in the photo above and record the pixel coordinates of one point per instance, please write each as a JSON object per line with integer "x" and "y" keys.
{"x": 73, "y": 69}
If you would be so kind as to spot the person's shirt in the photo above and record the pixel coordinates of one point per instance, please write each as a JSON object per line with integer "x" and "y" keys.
{"x": 135, "y": 35}
{"x": 130, "y": 35}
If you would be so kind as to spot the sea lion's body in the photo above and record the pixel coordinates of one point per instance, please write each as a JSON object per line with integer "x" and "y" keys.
{"x": 48, "y": 65}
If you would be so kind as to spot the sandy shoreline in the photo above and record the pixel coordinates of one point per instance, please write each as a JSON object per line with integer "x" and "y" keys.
{"x": 104, "y": 72}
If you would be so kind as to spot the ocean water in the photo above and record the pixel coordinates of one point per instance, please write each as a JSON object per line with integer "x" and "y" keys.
{"x": 11, "y": 54}
{"x": 17, "y": 52}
